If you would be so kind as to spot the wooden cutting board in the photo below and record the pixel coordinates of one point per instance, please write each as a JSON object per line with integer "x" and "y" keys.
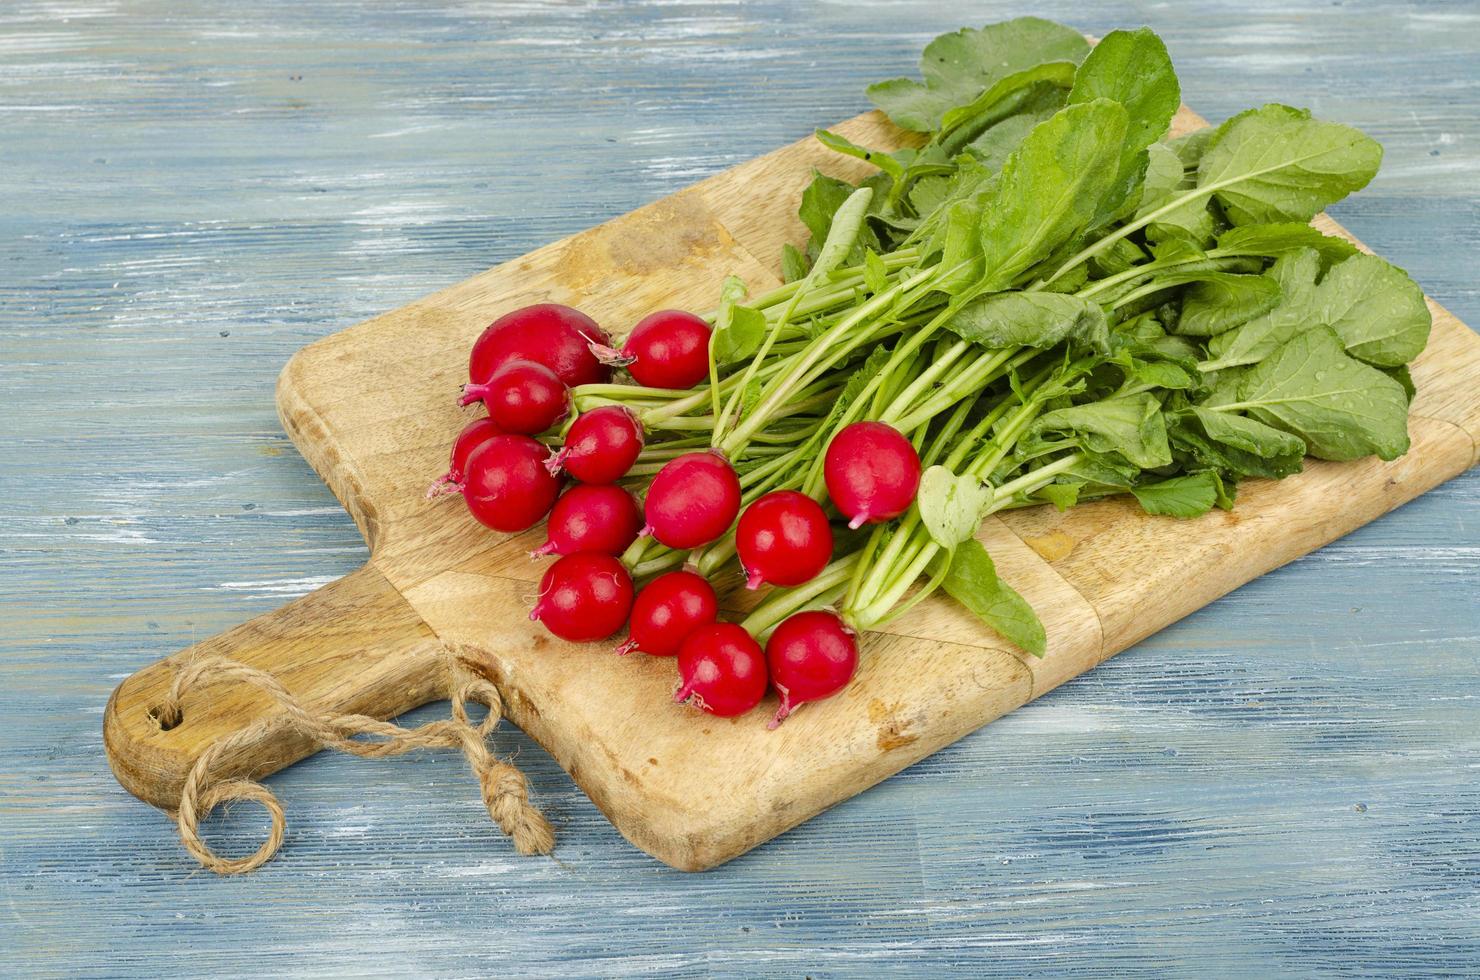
{"x": 372, "y": 408}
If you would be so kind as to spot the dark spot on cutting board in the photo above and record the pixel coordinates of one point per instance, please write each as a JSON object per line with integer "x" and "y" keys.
{"x": 893, "y": 736}
{"x": 893, "y": 733}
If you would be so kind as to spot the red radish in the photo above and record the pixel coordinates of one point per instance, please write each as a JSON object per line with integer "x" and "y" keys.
{"x": 811, "y": 656}
{"x": 506, "y": 484}
{"x": 722, "y": 670}
{"x": 667, "y": 349}
{"x": 693, "y": 500}
{"x": 556, "y": 336}
{"x": 521, "y": 396}
{"x": 783, "y": 538}
{"x": 872, "y": 473}
{"x": 473, "y": 435}
{"x": 584, "y": 597}
{"x": 600, "y": 446}
{"x": 591, "y": 518}
{"x": 667, "y": 610}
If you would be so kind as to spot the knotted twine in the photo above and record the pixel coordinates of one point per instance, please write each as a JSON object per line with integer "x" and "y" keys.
{"x": 505, "y": 790}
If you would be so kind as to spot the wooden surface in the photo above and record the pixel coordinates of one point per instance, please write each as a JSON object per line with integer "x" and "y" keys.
{"x": 1280, "y": 781}
{"x": 369, "y": 409}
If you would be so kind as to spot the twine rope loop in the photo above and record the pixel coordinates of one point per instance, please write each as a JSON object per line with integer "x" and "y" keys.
{"x": 505, "y": 791}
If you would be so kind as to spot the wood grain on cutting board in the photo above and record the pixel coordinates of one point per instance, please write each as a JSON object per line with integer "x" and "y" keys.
{"x": 372, "y": 409}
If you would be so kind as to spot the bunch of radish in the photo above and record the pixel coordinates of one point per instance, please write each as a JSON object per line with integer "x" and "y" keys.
{"x": 530, "y": 368}
{"x": 1040, "y": 301}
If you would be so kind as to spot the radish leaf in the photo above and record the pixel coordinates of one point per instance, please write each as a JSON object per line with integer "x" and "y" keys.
{"x": 1181, "y": 496}
{"x": 957, "y": 67}
{"x": 1276, "y": 164}
{"x": 973, "y": 582}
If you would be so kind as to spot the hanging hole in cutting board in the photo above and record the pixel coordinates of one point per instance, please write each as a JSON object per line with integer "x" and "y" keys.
{"x": 166, "y": 716}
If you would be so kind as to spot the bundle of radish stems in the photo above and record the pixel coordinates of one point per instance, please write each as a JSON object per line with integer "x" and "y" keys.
{"x": 1046, "y": 301}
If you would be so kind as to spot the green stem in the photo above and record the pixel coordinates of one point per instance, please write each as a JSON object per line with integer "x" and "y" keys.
{"x": 937, "y": 578}
{"x": 781, "y": 604}
{"x": 1032, "y": 480}
{"x": 1176, "y": 202}
{"x": 988, "y": 366}
{"x": 778, "y": 392}
{"x": 842, "y": 282}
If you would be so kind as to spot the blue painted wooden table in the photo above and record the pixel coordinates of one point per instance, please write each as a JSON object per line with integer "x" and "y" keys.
{"x": 1287, "y": 781}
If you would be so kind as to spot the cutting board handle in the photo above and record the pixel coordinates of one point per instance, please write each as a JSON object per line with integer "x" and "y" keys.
{"x": 354, "y": 645}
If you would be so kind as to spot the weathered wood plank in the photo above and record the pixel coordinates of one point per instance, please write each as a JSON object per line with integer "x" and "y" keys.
{"x": 1283, "y": 781}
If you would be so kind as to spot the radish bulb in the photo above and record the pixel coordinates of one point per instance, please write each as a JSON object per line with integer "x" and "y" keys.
{"x": 507, "y": 486}
{"x": 784, "y": 539}
{"x": 521, "y": 396}
{"x": 667, "y": 610}
{"x": 556, "y": 336}
{"x": 584, "y": 597}
{"x": 872, "y": 473}
{"x": 667, "y": 349}
{"x": 693, "y": 500}
{"x": 473, "y": 435}
{"x": 602, "y": 519}
{"x": 811, "y": 656}
{"x": 600, "y": 446}
{"x": 722, "y": 670}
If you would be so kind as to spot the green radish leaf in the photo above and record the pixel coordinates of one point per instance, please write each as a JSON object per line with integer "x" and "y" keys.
{"x": 1131, "y": 426}
{"x": 1279, "y": 239}
{"x": 1050, "y": 188}
{"x": 887, "y": 162}
{"x": 875, "y": 275}
{"x": 1061, "y": 495}
{"x": 1119, "y": 257}
{"x": 929, "y": 193}
{"x": 820, "y": 203}
{"x": 958, "y": 240}
{"x": 842, "y": 234}
{"x": 1031, "y": 90}
{"x": 739, "y": 337}
{"x": 1190, "y": 147}
{"x": 732, "y": 291}
{"x": 951, "y": 506}
{"x": 1281, "y": 449}
{"x": 1401, "y": 375}
{"x": 1225, "y": 490}
{"x": 1040, "y": 320}
{"x": 1103, "y": 470}
{"x": 1377, "y": 311}
{"x": 928, "y": 161}
{"x": 1187, "y": 227}
{"x": 1223, "y": 386}
{"x": 1133, "y": 69}
{"x": 996, "y": 144}
{"x": 973, "y": 582}
{"x": 971, "y": 183}
{"x": 1070, "y": 282}
{"x": 793, "y": 263}
{"x": 1172, "y": 242}
{"x": 1160, "y": 374}
{"x": 1342, "y": 408}
{"x": 1275, "y": 164}
{"x": 959, "y": 66}
{"x": 1164, "y": 177}
{"x": 1181, "y": 496}
{"x": 1295, "y": 275}
{"x": 1213, "y": 305}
